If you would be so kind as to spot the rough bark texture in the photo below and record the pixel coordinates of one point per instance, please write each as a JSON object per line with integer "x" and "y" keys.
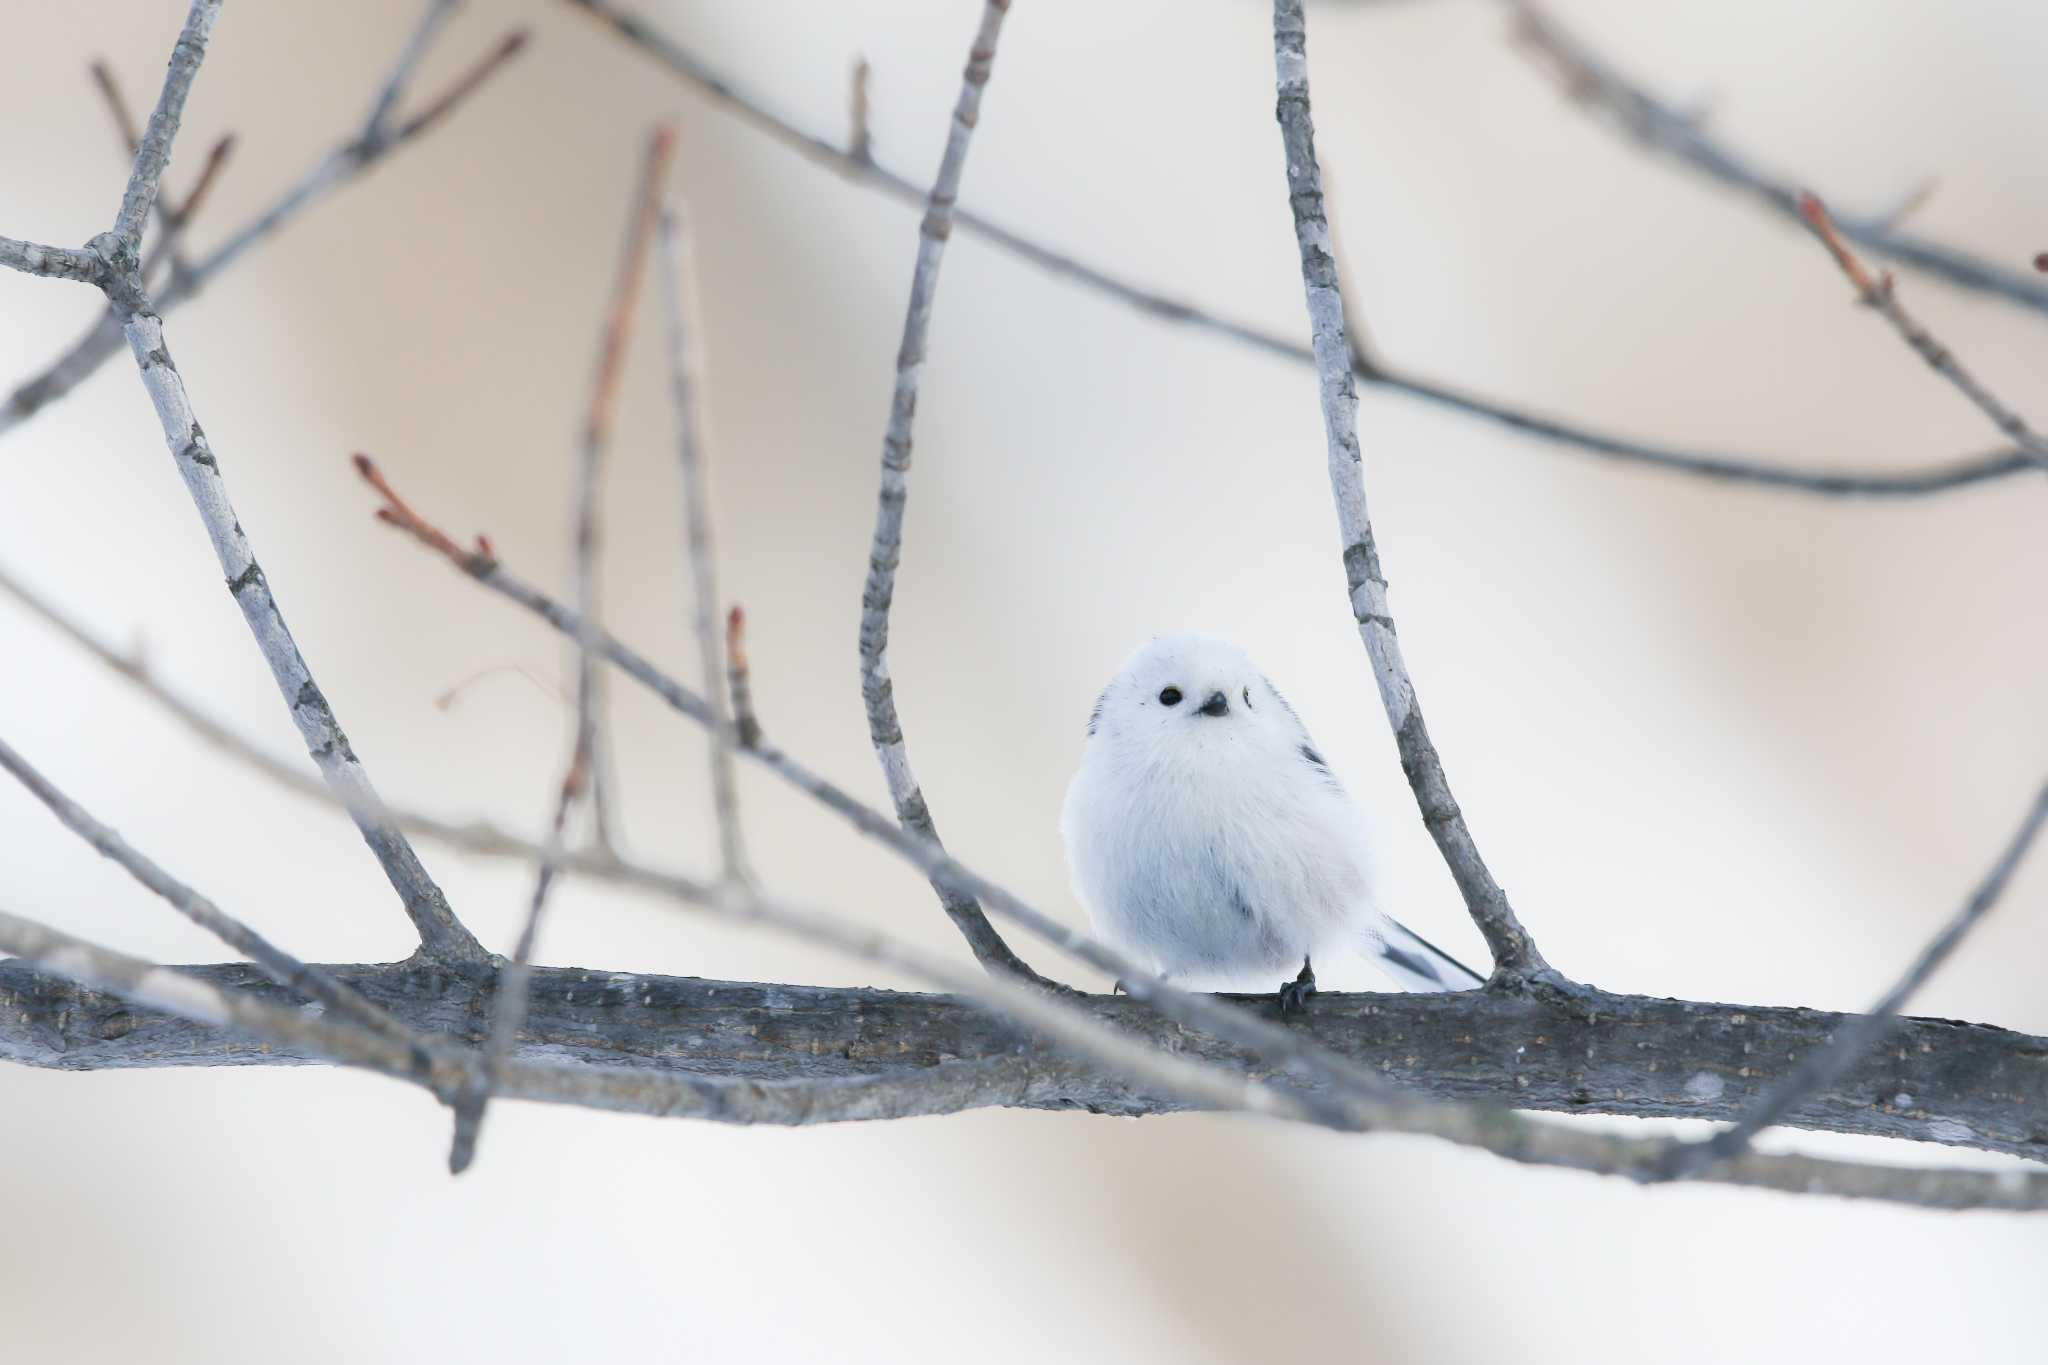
{"x": 1936, "y": 1080}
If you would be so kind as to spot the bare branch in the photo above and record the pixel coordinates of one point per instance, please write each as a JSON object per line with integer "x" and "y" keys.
{"x": 279, "y": 965}
{"x": 508, "y": 1006}
{"x": 860, "y": 142}
{"x": 117, "y": 105}
{"x": 878, "y": 690}
{"x": 189, "y": 997}
{"x": 338, "y": 167}
{"x": 153, "y": 153}
{"x": 1822, "y": 1067}
{"x": 740, "y": 680}
{"x": 1940, "y": 477}
{"x": 175, "y": 217}
{"x": 686, "y": 380}
{"x": 1515, "y": 957}
{"x": 593, "y": 752}
{"x": 1878, "y": 292}
{"x": 440, "y": 931}
{"x": 1936, "y": 1081}
{"x": 377, "y": 125}
{"x": 461, "y": 88}
{"x": 1659, "y": 126}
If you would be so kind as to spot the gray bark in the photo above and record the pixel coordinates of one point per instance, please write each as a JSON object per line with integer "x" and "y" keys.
{"x": 1935, "y": 1080}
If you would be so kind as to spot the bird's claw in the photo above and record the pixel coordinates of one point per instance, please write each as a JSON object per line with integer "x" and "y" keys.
{"x": 1293, "y": 995}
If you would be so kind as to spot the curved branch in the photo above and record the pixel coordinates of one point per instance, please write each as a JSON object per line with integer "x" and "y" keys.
{"x": 1515, "y": 956}
{"x": 878, "y": 593}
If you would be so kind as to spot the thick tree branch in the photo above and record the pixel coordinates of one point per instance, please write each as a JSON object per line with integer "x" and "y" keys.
{"x": 862, "y": 170}
{"x": 1349, "y": 1110}
{"x": 878, "y": 593}
{"x": 1516, "y": 960}
{"x": 362, "y": 150}
{"x": 1661, "y": 127}
{"x": 1938, "y": 1081}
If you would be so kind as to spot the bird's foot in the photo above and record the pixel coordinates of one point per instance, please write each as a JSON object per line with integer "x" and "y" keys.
{"x": 1293, "y": 995}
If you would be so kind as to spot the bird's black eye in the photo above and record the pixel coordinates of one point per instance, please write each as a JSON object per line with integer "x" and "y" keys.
{"x": 1170, "y": 697}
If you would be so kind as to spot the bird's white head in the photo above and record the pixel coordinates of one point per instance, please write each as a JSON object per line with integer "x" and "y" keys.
{"x": 1190, "y": 699}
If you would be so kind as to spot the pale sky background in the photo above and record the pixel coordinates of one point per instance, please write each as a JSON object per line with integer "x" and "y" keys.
{"x": 1721, "y": 744}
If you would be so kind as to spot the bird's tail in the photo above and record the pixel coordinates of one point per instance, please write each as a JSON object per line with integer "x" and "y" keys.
{"x": 1415, "y": 963}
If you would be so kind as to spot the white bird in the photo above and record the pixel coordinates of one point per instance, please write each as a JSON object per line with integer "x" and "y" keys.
{"x": 1207, "y": 837}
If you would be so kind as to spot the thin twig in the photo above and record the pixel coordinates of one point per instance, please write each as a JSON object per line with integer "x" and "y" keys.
{"x": 1940, "y": 477}
{"x": 1821, "y": 1067}
{"x": 174, "y": 217}
{"x": 153, "y": 152}
{"x": 592, "y": 733}
{"x": 860, "y": 141}
{"x": 878, "y": 689}
{"x": 1515, "y": 957}
{"x": 283, "y": 968}
{"x": 51, "y": 262}
{"x": 686, "y": 382}
{"x": 1660, "y": 126}
{"x": 340, "y": 166}
{"x": 441, "y": 933}
{"x": 1878, "y": 292}
{"x": 739, "y": 677}
{"x": 508, "y": 1007}
{"x": 377, "y": 124}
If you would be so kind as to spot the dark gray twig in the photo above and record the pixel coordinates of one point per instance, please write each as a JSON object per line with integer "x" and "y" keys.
{"x": 1820, "y": 1068}
{"x": 878, "y": 690}
{"x": 1516, "y": 960}
{"x": 686, "y": 382}
{"x": 1879, "y": 293}
{"x": 338, "y": 167}
{"x": 588, "y": 772}
{"x": 1659, "y": 126}
{"x": 1940, "y": 477}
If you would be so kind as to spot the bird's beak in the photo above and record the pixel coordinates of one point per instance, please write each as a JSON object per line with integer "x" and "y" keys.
{"x": 1217, "y": 705}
